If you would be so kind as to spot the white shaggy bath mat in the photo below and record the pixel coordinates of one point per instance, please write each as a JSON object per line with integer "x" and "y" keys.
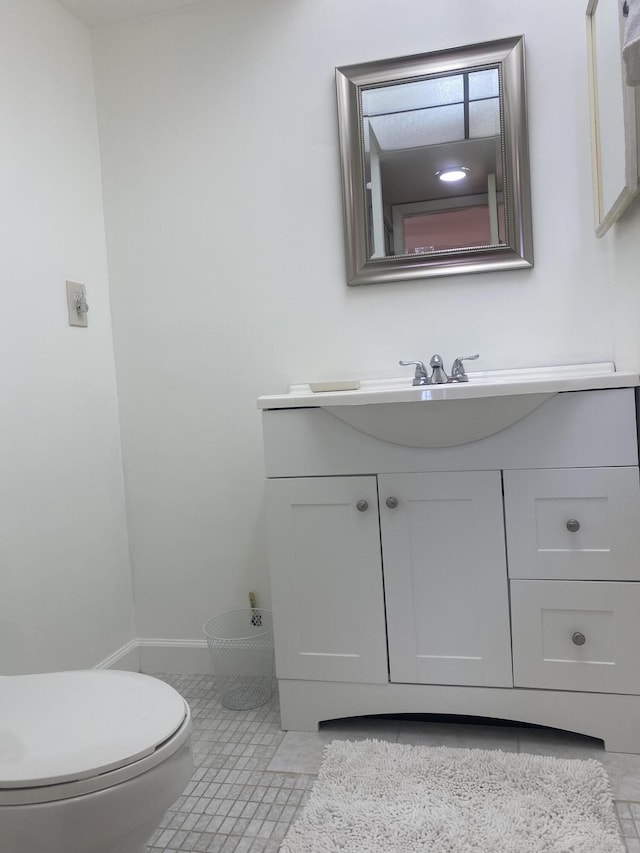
{"x": 378, "y": 797}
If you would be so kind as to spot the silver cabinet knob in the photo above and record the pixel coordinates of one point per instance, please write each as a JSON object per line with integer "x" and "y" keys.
{"x": 362, "y": 505}
{"x": 392, "y": 503}
{"x": 578, "y": 638}
{"x": 573, "y": 525}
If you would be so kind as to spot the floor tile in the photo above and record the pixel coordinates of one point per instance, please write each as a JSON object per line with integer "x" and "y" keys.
{"x": 623, "y": 771}
{"x": 302, "y": 752}
{"x": 251, "y": 779}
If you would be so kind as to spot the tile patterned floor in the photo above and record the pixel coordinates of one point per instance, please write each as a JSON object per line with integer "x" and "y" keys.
{"x": 251, "y": 779}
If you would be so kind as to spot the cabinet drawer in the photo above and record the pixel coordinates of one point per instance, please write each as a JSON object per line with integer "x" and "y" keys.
{"x": 573, "y": 523}
{"x": 575, "y": 635}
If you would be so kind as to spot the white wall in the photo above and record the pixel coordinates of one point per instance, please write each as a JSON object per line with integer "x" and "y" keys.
{"x": 224, "y": 229}
{"x": 624, "y": 260}
{"x": 65, "y": 588}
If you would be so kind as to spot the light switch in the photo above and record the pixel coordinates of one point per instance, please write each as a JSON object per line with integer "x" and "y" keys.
{"x": 77, "y": 304}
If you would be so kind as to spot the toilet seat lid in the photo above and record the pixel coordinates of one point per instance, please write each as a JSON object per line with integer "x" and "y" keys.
{"x": 63, "y": 726}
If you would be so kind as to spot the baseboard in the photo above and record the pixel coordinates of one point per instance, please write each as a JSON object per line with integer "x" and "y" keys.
{"x": 181, "y": 656}
{"x": 127, "y": 657}
{"x": 145, "y": 654}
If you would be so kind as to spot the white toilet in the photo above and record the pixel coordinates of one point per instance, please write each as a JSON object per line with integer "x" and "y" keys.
{"x": 89, "y": 760}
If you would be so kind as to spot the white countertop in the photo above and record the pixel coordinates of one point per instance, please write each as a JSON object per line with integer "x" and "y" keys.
{"x": 494, "y": 383}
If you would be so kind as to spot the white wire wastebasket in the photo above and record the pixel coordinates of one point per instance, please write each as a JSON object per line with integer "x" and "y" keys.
{"x": 241, "y": 646}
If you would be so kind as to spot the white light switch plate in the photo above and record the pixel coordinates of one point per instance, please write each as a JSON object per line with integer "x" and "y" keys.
{"x": 76, "y": 292}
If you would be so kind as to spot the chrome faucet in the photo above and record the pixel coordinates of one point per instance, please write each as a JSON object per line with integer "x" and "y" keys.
{"x": 438, "y": 374}
{"x": 457, "y": 368}
{"x": 438, "y": 377}
{"x": 420, "y": 377}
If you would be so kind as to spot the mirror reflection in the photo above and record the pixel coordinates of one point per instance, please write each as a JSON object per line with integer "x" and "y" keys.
{"x": 435, "y": 163}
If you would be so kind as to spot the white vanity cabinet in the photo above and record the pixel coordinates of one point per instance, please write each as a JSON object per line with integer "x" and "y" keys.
{"x": 498, "y": 578}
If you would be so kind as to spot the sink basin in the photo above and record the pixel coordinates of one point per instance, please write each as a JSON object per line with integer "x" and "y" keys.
{"x": 443, "y": 423}
{"x": 394, "y": 410}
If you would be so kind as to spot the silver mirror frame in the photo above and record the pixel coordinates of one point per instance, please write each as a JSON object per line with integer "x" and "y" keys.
{"x": 625, "y": 194}
{"x": 508, "y": 55}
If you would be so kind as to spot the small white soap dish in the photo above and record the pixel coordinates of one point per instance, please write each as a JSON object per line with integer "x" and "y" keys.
{"x": 335, "y": 385}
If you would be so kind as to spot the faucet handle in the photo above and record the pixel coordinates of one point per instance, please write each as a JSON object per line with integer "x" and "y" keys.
{"x": 420, "y": 377}
{"x": 457, "y": 368}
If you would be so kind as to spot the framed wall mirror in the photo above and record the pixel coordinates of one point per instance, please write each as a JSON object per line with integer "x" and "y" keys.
{"x": 614, "y": 113}
{"x": 435, "y": 163}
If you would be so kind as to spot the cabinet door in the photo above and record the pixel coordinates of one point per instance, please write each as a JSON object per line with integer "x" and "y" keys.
{"x": 326, "y": 579}
{"x": 445, "y": 578}
{"x": 573, "y": 523}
